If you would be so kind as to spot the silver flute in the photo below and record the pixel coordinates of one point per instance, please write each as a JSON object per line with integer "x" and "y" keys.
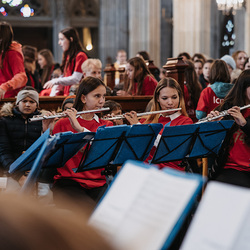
{"x": 59, "y": 115}
{"x": 222, "y": 113}
{"x": 142, "y": 114}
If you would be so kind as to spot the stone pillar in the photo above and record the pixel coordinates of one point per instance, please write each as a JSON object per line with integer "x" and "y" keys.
{"x": 247, "y": 27}
{"x": 191, "y": 24}
{"x": 61, "y": 20}
{"x": 113, "y": 29}
{"x": 144, "y": 28}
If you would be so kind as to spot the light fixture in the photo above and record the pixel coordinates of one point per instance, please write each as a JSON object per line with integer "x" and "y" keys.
{"x": 87, "y": 40}
{"x": 227, "y": 6}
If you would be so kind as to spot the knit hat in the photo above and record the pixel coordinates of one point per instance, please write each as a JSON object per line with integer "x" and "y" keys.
{"x": 68, "y": 99}
{"x": 229, "y": 60}
{"x": 33, "y": 94}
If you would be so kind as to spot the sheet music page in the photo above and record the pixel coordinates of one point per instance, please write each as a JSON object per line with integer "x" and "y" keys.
{"x": 142, "y": 206}
{"x": 219, "y": 218}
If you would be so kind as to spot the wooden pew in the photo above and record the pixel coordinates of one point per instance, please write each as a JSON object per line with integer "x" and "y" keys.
{"x": 136, "y": 103}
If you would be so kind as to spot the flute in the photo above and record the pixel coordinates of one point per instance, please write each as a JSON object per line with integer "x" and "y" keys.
{"x": 142, "y": 114}
{"x": 58, "y": 115}
{"x": 222, "y": 113}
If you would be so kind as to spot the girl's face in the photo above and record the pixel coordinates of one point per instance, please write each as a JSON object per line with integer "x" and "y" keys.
{"x": 94, "y": 99}
{"x": 41, "y": 61}
{"x": 206, "y": 70}
{"x": 168, "y": 98}
{"x": 115, "y": 113}
{"x": 198, "y": 68}
{"x": 130, "y": 71}
{"x": 247, "y": 66}
{"x": 63, "y": 42}
{"x": 241, "y": 58}
{"x": 248, "y": 95}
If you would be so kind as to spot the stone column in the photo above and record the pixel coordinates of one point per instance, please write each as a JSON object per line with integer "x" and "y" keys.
{"x": 144, "y": 28}
{"x": 113, "y": 29}
{"x": 61, "y": 20}
{"x": 191, "y": 26}
{"x": 247, "y": 27}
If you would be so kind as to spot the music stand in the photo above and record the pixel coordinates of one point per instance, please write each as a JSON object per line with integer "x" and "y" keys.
{"x": 112, "y": 146}
{"x": 39, "y": 162}
{"x": 191, "y": 141}
{"x": 66, "y": 146}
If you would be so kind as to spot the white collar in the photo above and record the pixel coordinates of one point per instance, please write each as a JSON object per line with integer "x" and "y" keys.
{"x": 95, "y": 117}
{"x": 173, "y": 116}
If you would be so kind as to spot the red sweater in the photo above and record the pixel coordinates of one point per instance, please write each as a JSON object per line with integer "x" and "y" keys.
{"x": 239, "y": 153}
{"x": 175, "y": 120}
{"x": 87, "y": 179}
{"x": 74, "y": 66}
{"x": 12, "y": 74}
{"x": 148, "y": 86}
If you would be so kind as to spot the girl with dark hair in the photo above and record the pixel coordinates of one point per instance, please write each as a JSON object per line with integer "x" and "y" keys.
{"x": 214, "y": 94}
{"x": 12, "y": 73}
{"x": 192, "y": 90}
{"x": 233, "y": 165}
{"x": 140, "y": 80}
{"x": 73, "y": 57}
{"x": 88, "y": 185}
{"x": 168, "y": 95}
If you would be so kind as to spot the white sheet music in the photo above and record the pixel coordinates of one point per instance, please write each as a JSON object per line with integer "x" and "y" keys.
{"x": 142, "y": 206}
{"x": 221, "y": 221}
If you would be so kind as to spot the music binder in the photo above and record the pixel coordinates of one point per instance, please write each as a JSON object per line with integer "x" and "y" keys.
{"x": 112, "y": 146}
{"x": 191, "y": 141}
{"x": 144, "y": 207}
{"x": 67, "y": 145}
{"x": 221, "y": 220}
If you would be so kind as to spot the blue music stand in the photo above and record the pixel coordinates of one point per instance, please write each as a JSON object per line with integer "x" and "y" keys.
{"x": 191, "y": 141}
{"x": 67, "y": 145}
{"x": 39, "y": 162}
{"x": 112, "y": 146}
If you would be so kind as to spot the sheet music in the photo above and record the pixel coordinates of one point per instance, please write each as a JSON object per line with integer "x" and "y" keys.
{"x": 142, "y": 207}
{"x": 219, "y": 219}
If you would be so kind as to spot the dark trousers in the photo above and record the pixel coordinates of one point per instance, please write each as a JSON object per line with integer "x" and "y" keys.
{"x": 235, "y": 177}
{"x": 74, "y": 193}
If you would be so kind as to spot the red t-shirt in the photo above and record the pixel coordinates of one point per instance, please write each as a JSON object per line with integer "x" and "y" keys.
{"x": 87, "y": 179}
{"x": 74, "y": 66}
{"x": 208, "y": 101}
{"x": 180, "y": 120}
{"x": 239, "y": 153}
{"x": 148, "y": 86}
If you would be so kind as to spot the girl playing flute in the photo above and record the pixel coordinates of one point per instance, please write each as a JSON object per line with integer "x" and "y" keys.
{"x": 88, "y": 185}
{"x": 167, "y": 95}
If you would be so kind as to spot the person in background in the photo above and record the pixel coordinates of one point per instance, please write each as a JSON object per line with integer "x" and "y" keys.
{"x": 239, "y": 57}
{"x": 247, "y": 63}
{"x": 17, "y": 133}
{"x": 198, "y": 66}
{"x": 219, "y": 87}
{"x": 73, "y": 57}
{"x": 199, "y": 56}
{"x": 192, "y": 90}
{"x": 30, "y": 57}
{"x": 47, "y": 65}
{"x": 121, "y": 60}
{"x": 233, "y": 160}
{"x": 168, "y": 95}
{"x": 144, "y": 55}
{"x": 230, "y": 63}
{"x": 90, "y": 185}
{"x": 115, "y": 109}
{"x": 68, "y": 102}
{"x": 185, "y": 56}
{"x": 204, "y": 77}
{"x": 12, "y": 73}
{"x": 140, "y": 81}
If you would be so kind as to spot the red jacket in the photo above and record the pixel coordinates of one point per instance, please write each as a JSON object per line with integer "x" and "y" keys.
{"x": 12, "y": 74}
